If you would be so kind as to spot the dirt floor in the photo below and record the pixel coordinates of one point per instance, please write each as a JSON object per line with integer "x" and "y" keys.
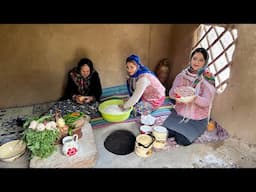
{"x": 230, "y": 153}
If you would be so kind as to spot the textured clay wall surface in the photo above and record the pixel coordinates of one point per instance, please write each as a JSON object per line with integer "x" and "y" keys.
{"x": 235, "y": 108}
{"x": 35, "y": 58}
{"x": 181, "y": 44}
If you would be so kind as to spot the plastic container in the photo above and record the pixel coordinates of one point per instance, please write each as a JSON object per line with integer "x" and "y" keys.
{"x": 161, "y": 135}
{"x": 114, "y": 117}
{"x": 185, "y": 99}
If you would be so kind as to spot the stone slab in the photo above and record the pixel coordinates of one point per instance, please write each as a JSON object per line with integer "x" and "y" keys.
{"x": 85, "y": 158}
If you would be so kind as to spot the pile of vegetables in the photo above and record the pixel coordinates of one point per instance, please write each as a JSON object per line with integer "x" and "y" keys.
{"x": 72, "y": 120}
{"x": 40, "y": 135}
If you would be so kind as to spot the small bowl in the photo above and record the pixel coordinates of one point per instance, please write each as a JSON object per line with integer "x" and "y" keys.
{"x": 186, "y": 99}
{"x": 145, "y": 129}
{"x": 147, "y": 119}
{"x": 12, "y": 150}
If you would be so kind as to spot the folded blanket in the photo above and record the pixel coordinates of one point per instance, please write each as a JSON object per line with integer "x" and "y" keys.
{"x": 116, "y": 92}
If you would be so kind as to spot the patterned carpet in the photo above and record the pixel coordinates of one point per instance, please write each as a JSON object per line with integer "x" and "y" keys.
{"x": 11, "y": 120}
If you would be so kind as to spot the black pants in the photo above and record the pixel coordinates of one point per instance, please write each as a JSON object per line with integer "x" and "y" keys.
{"x": 180, "y": 139}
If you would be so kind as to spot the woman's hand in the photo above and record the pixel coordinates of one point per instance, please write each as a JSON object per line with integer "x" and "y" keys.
{"x": 83, "y": 99}
{"x": 79, "y": 99}
{"x": 88, "y": 99}
{"x": 121, "y": 106}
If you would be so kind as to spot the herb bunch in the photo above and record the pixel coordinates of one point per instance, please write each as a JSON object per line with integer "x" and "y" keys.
{"x": 41, "y": 143}
{"x": 40, "y": 135}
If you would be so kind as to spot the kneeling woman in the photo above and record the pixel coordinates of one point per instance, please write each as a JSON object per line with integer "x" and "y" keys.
{"x": 83, "y": 90}
{"x": 189, "y": 120}
{"x": 146, "y": 91}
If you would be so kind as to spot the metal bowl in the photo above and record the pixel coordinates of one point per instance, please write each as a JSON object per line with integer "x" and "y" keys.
{"x": 12, "y": 150}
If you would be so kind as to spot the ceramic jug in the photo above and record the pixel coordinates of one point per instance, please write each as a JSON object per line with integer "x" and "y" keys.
{"x": 70, "y": 145}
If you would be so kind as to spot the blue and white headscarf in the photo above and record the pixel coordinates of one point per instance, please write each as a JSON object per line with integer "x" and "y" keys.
{"x": 141, "y": 69}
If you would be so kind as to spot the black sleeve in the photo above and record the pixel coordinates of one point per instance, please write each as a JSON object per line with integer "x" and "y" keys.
{"x": 95, "y": 86}
{"x": 71, "y": 89}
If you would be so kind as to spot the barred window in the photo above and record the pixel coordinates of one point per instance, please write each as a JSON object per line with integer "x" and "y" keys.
{"x": 220, "y": 42}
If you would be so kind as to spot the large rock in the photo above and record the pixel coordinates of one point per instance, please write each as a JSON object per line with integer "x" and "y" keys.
{"x": 85, "y": 158}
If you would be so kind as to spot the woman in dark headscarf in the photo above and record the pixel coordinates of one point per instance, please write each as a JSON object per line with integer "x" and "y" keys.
{"x": 83, "y": 83}
{"x": 189, "y": 120}
{"x": 146, "y": 91}
{"x": 83, "y": 90}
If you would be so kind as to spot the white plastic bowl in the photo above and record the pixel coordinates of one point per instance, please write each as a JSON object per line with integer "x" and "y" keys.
{"x": 12, "y": 150}
{"x": 186, "y": 99}
{"x": 147, "y": 119}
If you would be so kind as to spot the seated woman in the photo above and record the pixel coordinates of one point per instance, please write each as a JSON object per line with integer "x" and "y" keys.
{"x": 145, "y": 90}
{"x": 83, "y": 90}
{"x": 189, "y": 120}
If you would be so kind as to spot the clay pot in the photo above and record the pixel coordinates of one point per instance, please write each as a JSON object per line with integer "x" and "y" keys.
{"x": 162, "y": 70}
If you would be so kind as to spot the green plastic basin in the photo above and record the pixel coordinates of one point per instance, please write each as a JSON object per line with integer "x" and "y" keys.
{"x": 114, "y": 117}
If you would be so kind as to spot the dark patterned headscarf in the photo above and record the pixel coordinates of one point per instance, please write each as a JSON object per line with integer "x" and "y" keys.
{"x": 141, "y": 69}
{"x": 81, "y": 82}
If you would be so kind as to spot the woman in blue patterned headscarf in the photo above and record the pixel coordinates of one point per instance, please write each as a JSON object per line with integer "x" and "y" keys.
{"x": 141, "y": 69}
{"x": 145, "y": 90}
